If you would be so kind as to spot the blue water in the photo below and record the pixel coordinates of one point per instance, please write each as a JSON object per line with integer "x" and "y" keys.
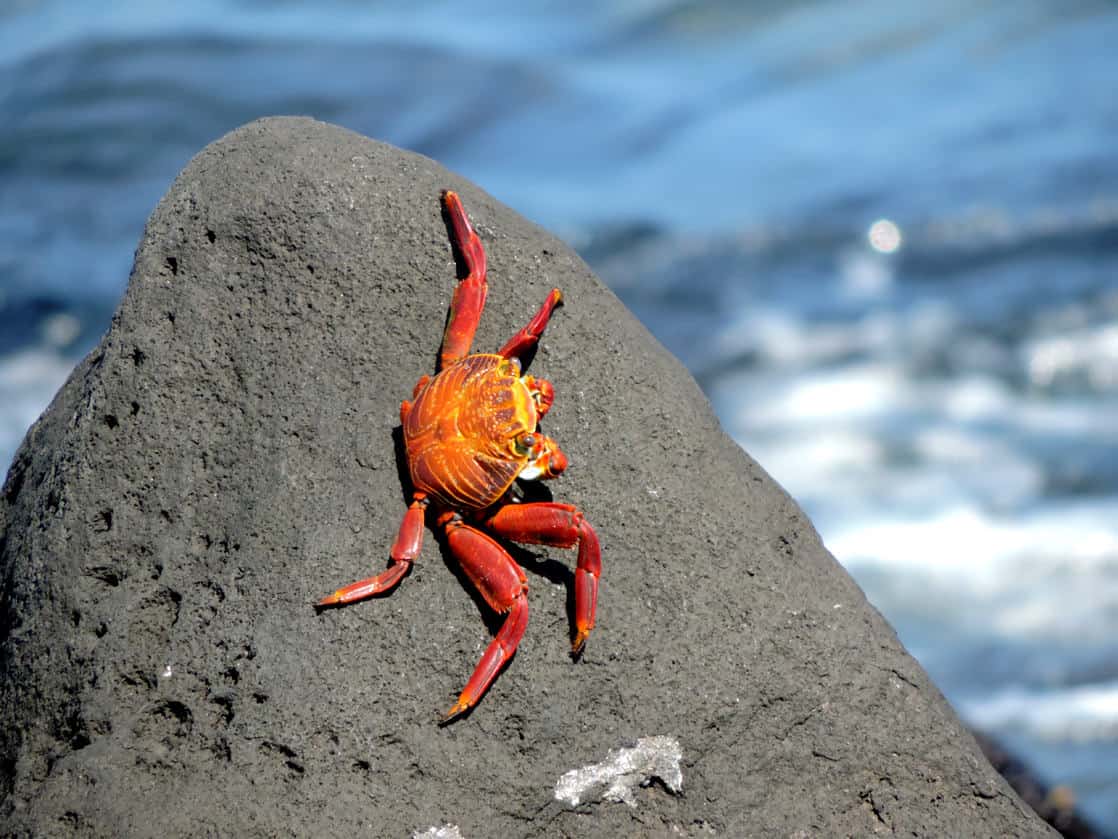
{"x": 883, "y": 236}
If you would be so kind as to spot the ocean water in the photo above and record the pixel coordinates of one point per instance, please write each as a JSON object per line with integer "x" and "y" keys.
{"x": 884, "y": 237}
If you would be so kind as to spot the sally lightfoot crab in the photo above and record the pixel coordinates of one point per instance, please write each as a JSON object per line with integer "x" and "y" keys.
{"x": 469, "y": 432}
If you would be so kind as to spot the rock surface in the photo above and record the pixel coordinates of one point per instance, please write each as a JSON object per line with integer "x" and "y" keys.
{"x": 226, "y": 456}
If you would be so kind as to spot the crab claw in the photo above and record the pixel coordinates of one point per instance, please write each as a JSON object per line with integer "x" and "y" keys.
{"x": 549, "y": 463}
{"x": 542, "y": 392}
{"x": 554, "y": 462}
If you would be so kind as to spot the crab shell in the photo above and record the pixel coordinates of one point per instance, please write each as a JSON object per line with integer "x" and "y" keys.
{"x": 473, "y": 429}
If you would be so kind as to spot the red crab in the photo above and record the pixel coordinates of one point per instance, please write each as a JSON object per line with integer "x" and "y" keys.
{"x": 469, "y": 432}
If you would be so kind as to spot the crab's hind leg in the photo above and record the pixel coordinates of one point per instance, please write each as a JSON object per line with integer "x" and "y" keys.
{"x": 505, "y": 588}
{"x": 561, "y": 526}
{"x": 469, "y": 294}
{"x": 529, "y": 336}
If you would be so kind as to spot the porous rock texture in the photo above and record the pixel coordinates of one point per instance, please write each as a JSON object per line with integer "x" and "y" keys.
{"x": 226, "y": 456}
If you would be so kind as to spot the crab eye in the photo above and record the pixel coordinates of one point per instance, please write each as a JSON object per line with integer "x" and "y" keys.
{"x": 525, "y": 443}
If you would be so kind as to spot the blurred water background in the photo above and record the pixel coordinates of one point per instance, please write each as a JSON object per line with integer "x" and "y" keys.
{"x": 883, "y": 236}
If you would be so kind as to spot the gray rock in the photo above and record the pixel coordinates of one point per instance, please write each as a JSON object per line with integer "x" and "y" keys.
{"x": 226, "y": 456}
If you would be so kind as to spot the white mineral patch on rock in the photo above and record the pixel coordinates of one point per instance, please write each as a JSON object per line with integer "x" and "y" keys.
{"x": 447, "y": 831}
{"x": 617, "y": 777}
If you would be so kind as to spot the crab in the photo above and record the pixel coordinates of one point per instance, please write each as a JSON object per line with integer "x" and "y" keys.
{"x": 470, "y": 431}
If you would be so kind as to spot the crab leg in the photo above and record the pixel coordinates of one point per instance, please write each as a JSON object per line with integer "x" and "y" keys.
{"x": 529, "y": 336}
{"x": 404, "y": 551}
{"x": 469, "y": 294}
{"x": 562, "y": 526}
{"x": 505, "y": 588}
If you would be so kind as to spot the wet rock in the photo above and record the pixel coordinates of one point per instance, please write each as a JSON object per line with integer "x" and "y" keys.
{"x": 226, "y": 456}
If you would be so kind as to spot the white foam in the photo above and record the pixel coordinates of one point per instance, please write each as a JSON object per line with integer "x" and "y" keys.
{"x": 834, "y": 397}
{"x": 973, "y": 397}
{"x": 1090, "y": 353}
{"x": 28, "y": 381}
{"x": 1014, "y": 576}
{"x": 786, "y": 341}
{"x": 1084, "y": 713}
{"x": 963, "y": 538}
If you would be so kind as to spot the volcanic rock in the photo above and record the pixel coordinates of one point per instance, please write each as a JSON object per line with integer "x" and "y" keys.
{"x": 228, "y": 454}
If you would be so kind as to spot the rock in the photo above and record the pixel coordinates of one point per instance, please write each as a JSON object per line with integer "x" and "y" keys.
{"x": 226, "y": 456}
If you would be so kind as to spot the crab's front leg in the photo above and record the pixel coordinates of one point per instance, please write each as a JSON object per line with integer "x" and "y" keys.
{"x": 561, "y": 526}
{"x": 469, "y": 294}
{"x": 529, "y": 336}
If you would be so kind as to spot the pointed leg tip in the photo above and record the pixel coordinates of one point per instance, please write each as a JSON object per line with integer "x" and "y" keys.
{"x": 579, "y": 642}
{"x": 454, "y": 713}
